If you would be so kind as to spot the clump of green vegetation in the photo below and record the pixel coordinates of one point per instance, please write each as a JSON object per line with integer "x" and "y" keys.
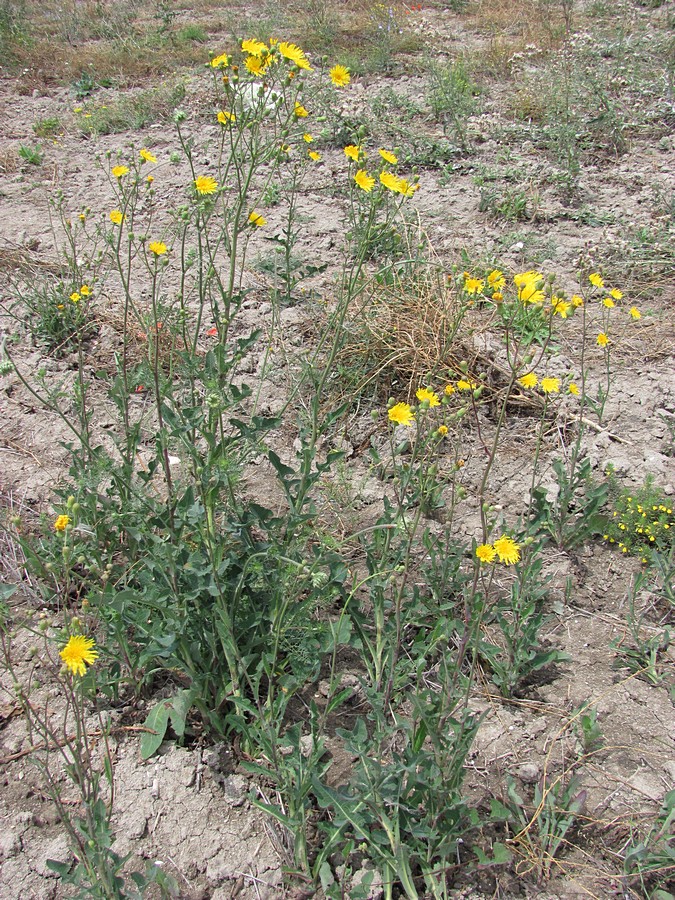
{"x": 129, "y": 113}
{"x": 642, "y": 521}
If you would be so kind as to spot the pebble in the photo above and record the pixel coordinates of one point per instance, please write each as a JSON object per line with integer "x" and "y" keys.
{"x": 529, "y": 773}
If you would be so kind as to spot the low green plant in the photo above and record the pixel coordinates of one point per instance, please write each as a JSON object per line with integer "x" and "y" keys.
{"x": 573, "y": 513}
{"x": 31, "y": 155}
{"x": 452, "y": 98}
{"x": 130, "y": 113}
{"x": 642, "y": 520}
{"x": 649, "y": 860}
{"x": 58, "y": 313}
{"x": 50, "y": 126}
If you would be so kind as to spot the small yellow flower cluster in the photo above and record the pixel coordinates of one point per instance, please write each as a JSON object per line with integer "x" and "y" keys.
{"x": 61, "y": 523}
{"x": 387, "y": 179}
{"x": 609, "y": 301}
{"x": 638, "y": 524}
{"x": 504, "y": 548}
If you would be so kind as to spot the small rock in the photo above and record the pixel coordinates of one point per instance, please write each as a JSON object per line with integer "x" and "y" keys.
{"x": 10, "y": 845}
{"x": 529, "y": 773}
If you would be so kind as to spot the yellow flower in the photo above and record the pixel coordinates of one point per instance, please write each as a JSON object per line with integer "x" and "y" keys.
{"x": 635, "y": 313}
{"x": 307, "y": 138}
{"x": 225, "y": 117}
{"x": 507, "y": 550}
{"x": 474, "y": 285}
{"x": 573, "y": 389}
{"x": 449, "y": 389}
{"x": 498, "y": 296}
{"x": 150, "y": 179}
{"x": 61, "y": 523}
{"x": 388, "y": 157}
{"x": 205, "y": 184}
{"x": 442, "y": 430}
{"x": 116, "y": 217}
{"x": 496, "y": 280}
{"x": 219, "y": 62}
{"x": 159, "y": 248}
{"x": 390, "y": 181}
{"x": 85, "y": 290}
{"x": 82, "y": 217}
{"x": 300, "y": 111}
{"x": 561, "y": 307}
{"x": 255, "y": 48}
{"x": 79, "y": 651}
{"x": 119, "y": 171}
{"x": 364, "y": 181}
{"x": 339, "y": 75}
{"x": 550, "y": 385}
{"x": 577, "y": 301}
{"x": 425, "y": 394}
{"x": 529, "y": 380}
{"x": 463, "y": 385}
{"x": 609, "y": 303}
{"x": 255, "y": 65}
{"x": 407, "y": 189}
{"x": 256, "y": 219}
{"x": 596, "y": 280}
{"x": 352, "y": 152}
{"x": 314, "y": 155}
{"x": 75, "y": 297}
{"x": 402, "y": 414}
{"x": 529, "y": 287}
{"x": 486, "y": 553}
{"x": 616, "y": 294}
{"x": 294, "y": 54}
{"x": 602, "y": 340}
{"x": 147, "y": 156}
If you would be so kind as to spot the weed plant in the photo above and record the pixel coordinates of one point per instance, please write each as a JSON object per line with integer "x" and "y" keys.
{"x": 158, "y": 545}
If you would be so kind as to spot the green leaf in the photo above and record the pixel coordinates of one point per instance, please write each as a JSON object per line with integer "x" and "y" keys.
{"x": 61, "y": 869}
{"x": 180, "y": 707}
{"x": 158, "y": 722}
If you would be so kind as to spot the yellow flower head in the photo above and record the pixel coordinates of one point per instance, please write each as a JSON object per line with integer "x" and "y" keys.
{"x": 609, "y": 303}
{"x": 635, "y": 313}
{"x": 577, "y": 301}
{"x": 220, "y": 62}
{"x": 474, "y": 285}
{"x": 486, "y": 553}
{"x": 561, "y": 307}
{"x": 352, "y": 152}
{"x": 449, "y": 389}
{"x": 442, "y": 430}
{"x": 85, "y": 290}
{"x": 550, "y": 385}
{"x": 61, "y": 523}
{"x": 529, "y": 286}
{"x": 78, "y": 654}
{"x": 205, "y": 184}
{"x": 75, "y": 297}
{"x": 256, "y": 219}
{"x": 225, "y": 117}
{"x": 425, "y": 394}
{"x": 294, "y": 54}
{"x": 147, "y": 156}
{"x": 496, "y": 280}
{"x": 616, "y": 294}
{"x": 602, "y": 340}
{"x": 364, "y": 181}
{"x": 255, "y": 48}
{"x": 255, "y": 65}
{"x": 407, "y": 189}
{"x": 389, "y": 157}
{"x": 528, "y": 381}
{"x": 314, "y": 155}
{"x": 116, "y": 217}
{"x": 158, "y": 248}
{"x": 596, "y": 280}
{"x": 339, "y": 75}
{"x": 401, "y": 414}
{"x": 573, "y": 389}
{"x": 300, "y": 111}
{"x": 307, "y": 138}
{"x": 390, "y": 181}
{"x": 507, "y": 550}
{"x": 463, "y": 385}
{"x": 119, "y": 171}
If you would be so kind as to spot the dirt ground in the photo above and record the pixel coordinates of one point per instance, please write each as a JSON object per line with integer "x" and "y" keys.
{"x": 184, "y": 807}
